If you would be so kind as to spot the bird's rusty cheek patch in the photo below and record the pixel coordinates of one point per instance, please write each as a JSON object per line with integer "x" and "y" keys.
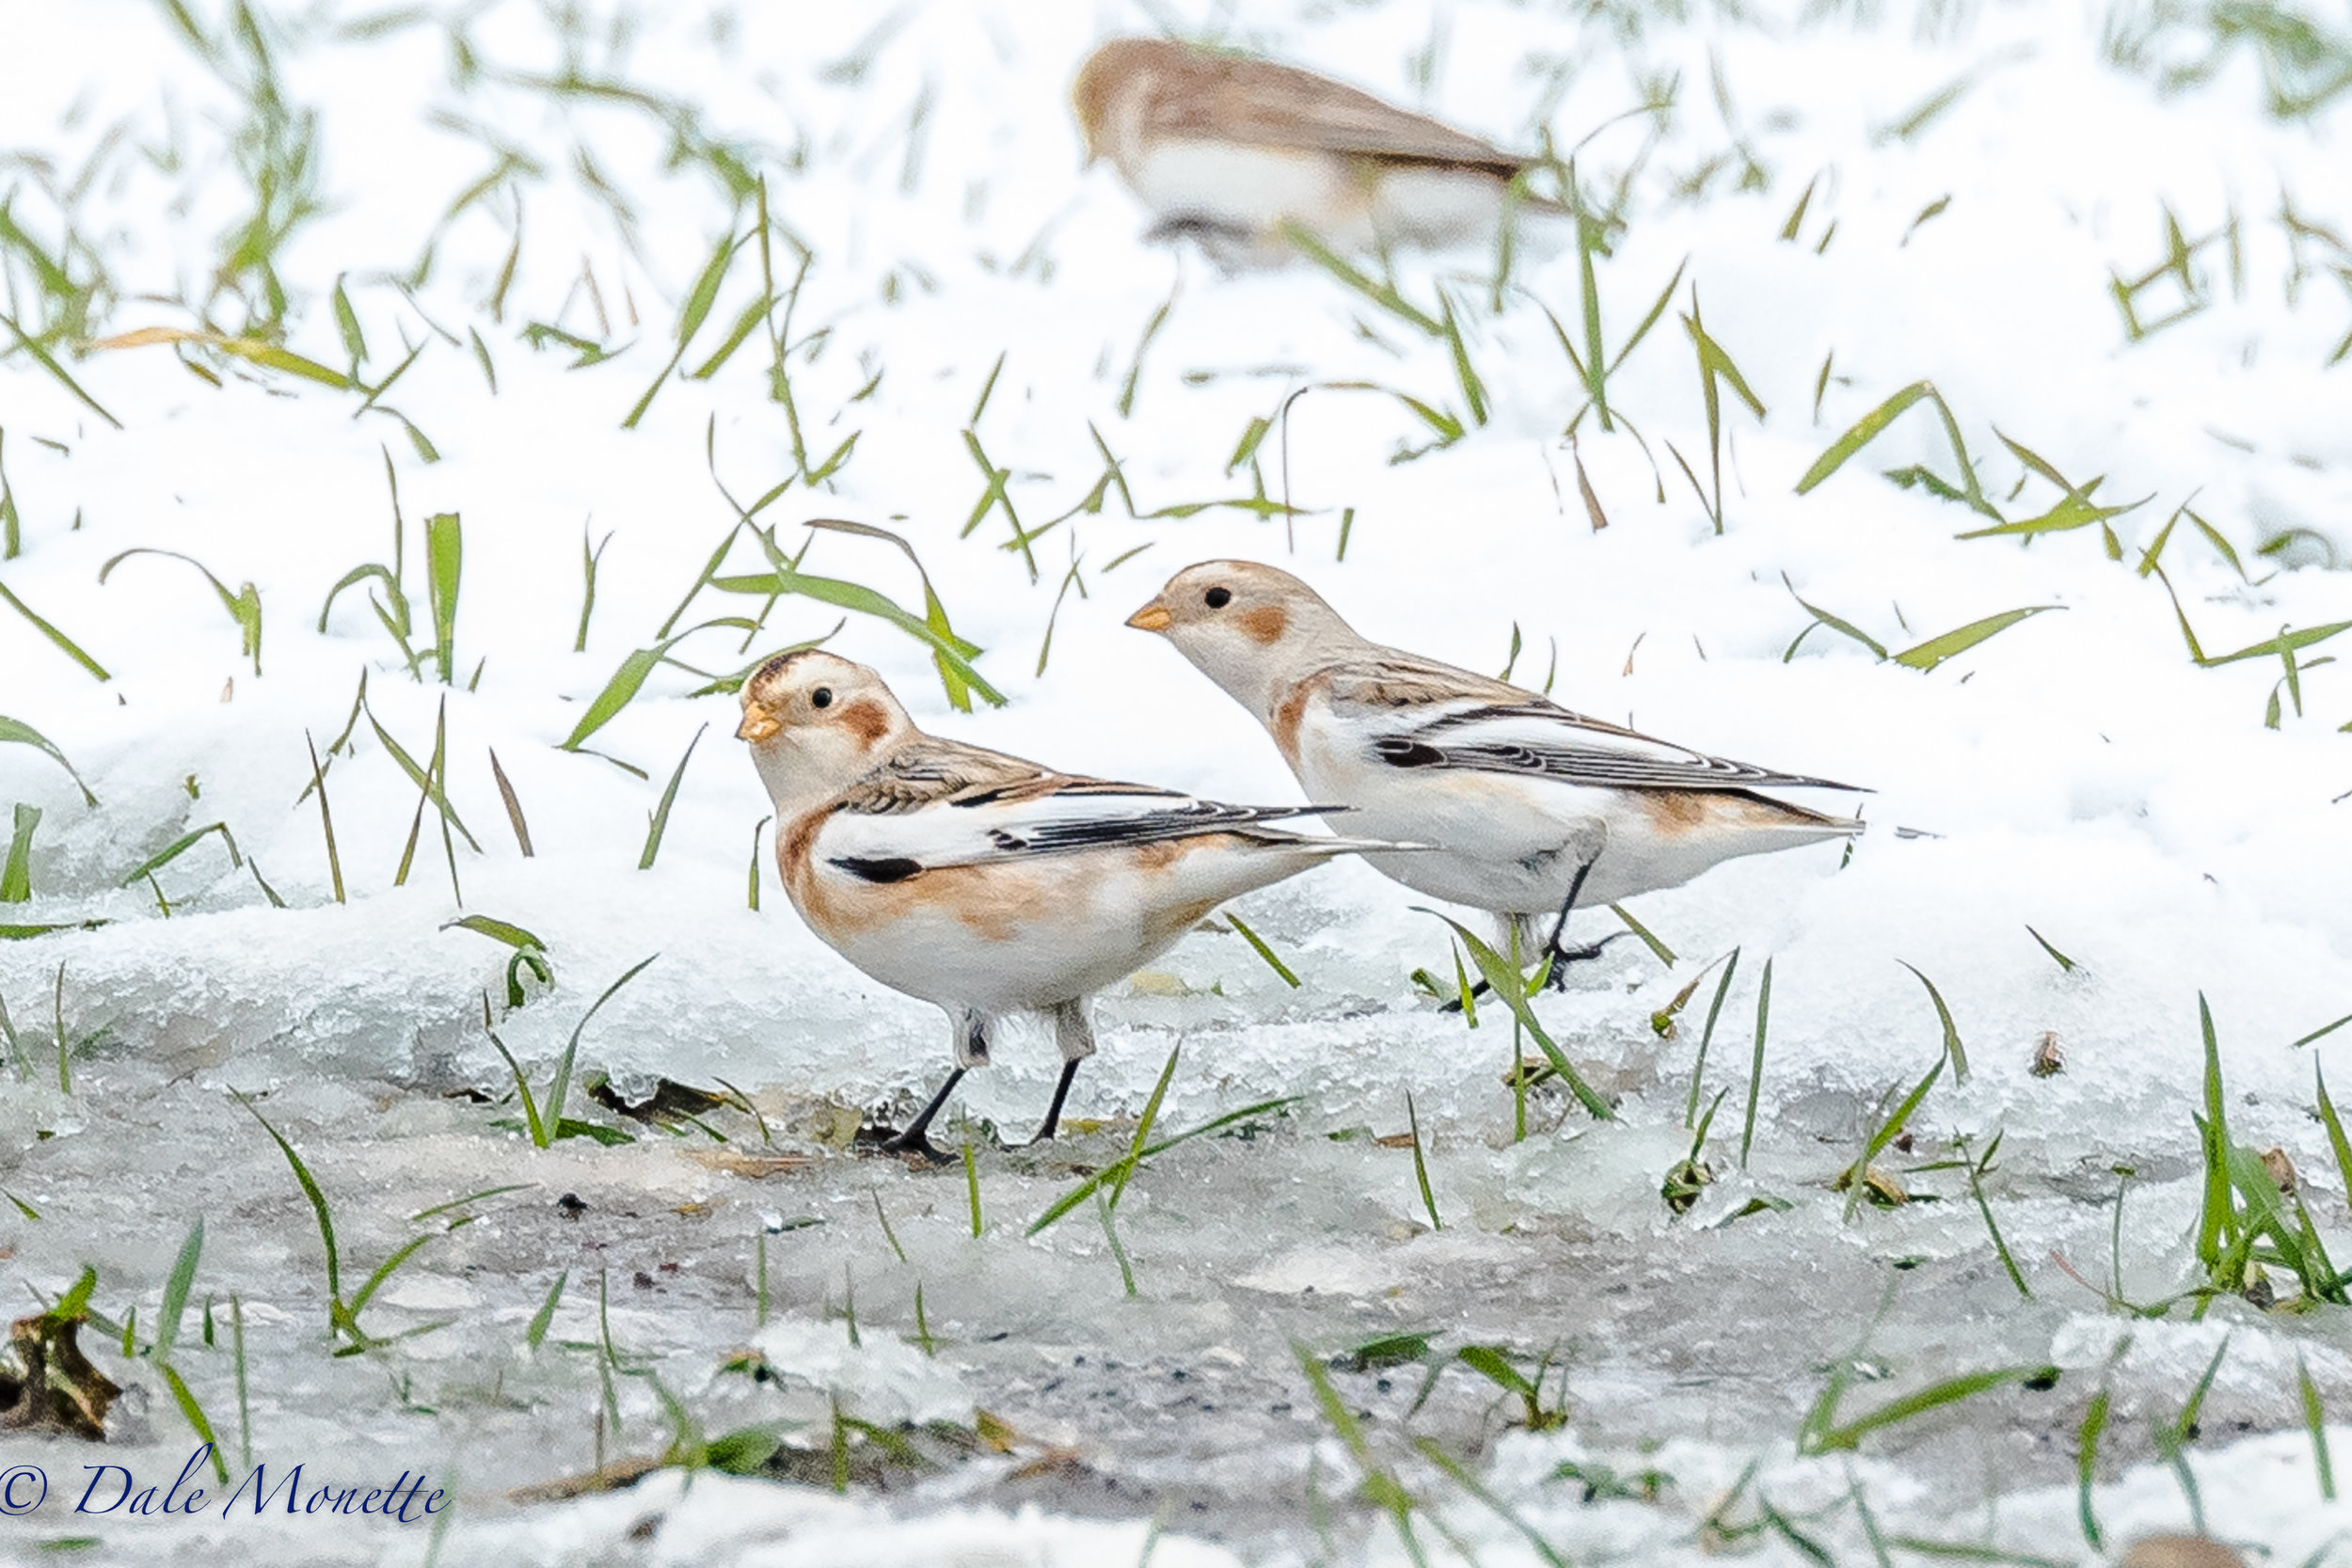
{"x": 1288, "y": 711}
{"x": 1266, "y": 625}
{"x": 867, "y": 721}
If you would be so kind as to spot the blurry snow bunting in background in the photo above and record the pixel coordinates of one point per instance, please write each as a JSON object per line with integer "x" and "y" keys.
{"x": 1229, "y": 149}
{"x": 1530, "y": 809}
{"x": 980, "y": 882}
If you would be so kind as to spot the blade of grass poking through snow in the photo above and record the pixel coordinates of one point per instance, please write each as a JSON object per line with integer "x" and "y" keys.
{"x": 588, "y": 562}
{"x": 952, "y": 652}
{"x": 326, "y": 818}
{"x": 1150, "y": 1116}
{"x": 627, "y": 681}
{"x": 1707, "y": 1036}
{"x": 2315, "y": 1423}
{"x": 65, "y": 644}
{"x": 1510, "y": 988}
{"x": 2334, "y": 1124}
{"x": 1119, "y": 1250}
{"x": 179, "y": 845}
{"x": 690, "y": 317}
{"x": 16, "y": 874}
{"x": 244, "y": 606}
{"x": 444, "y": 563}
{"x": 1857, "y": 1180}
{"x": 1969, "y": 492}
{"x": 1978, "y": 1170}
{"x": 424, "y": 779}
{"x": 1935, "y": 1396}
{"x": 530, "y": 952}
{"x": 1756, "y": 1069}
{"x": 2094, "y": 1425}
{"x": 560, "y": 1088}
{"x": 971, "y": 1187}
{"x": 537, "y": 1333}
{"x": 2322, "y": 1032}
{"x": 1118, "y": 1170}
{"x": 1420, "y": 1165}
{"x": 2059, "y": 958}
{"x": 1953, "y": 1048}
{"x": 934, "y": 613}
{"x": 659, "y": 822}
{"x": 1935, "y": 650}
{"x": 514, "y": 807}
{"x": 751, "y": 896}
{"x": 1715, "y": 367}
{"x": 1380, "y": 1488}
{"x": 1665, "y": 954}
{"x": 41, "y": 356}
{"x": 1254, "y": 940}
{"x": 2214, "y": 1129}
{"x": 16, "y": 732}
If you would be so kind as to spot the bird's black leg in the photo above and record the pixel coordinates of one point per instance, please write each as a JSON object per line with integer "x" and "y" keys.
{"x": 1556, "y": 978}
{"x": 914, "y": 1137}
{"x": 1074, "y": 1032}
{"x": 971, "y": 1045}
{"x": 1061, "y": 1092}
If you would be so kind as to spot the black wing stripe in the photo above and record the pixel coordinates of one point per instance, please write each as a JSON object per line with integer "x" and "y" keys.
{"x": 1191, "y": 821}
{"x": 1595, "y": 766}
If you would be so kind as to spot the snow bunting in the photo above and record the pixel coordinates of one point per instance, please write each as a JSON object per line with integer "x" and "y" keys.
{"x": 1230, "y": 148}
{"x": 979, "y": 882}
{"x": 1529, "y": 809}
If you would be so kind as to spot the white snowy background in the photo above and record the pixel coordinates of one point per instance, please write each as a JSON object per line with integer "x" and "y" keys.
{"x": 1860, "y": 197}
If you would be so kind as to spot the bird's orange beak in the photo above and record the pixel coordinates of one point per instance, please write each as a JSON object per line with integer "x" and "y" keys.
{"x": 1151, "y": 617}
{"x": 757, "y": 725}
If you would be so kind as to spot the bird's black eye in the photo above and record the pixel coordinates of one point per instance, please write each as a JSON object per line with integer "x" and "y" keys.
{"x": 1218, "y": 598}
{"x": 822, "y": 697}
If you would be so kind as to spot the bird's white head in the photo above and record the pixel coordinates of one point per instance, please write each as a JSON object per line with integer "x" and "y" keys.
{"x": 817, "y": 724}
{"x": 1252, "y": 629}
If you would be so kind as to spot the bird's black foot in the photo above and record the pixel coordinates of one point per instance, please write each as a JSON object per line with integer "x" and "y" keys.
{"x": 908, "y": 1143}
{"x": 915, "y": 1137}
{"x": 1556, "y": 977}
{"x": 1061, "y": 1093}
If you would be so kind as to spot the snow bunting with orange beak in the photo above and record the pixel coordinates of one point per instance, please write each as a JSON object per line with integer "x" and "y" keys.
{"x": 982, "y": 883}
{"x": 1530, "y": 810}
{"x": 1231, "y": 149}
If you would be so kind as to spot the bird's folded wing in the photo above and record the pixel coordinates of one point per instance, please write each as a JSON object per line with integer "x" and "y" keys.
{"x": 1010, "y": 825}
{"x": 1267, "y": 104}
{"x": 1540, "y": 740}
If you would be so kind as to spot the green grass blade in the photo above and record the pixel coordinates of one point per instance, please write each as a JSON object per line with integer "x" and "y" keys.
{"x": 660, "y": 822}
{"x": 16, "y": 874}
{"x": 1254, "y": 940}
{"x": 41, "y": 356}
{"x": 48, "y": 629}
{"x": 318, "y": 1202}
{"x": 1756, "y": 1069}
{"x": 16, "y": 732}
{"x": 176, "y": 1292}
{"x": 1856, "y": 1178}
{"x": 1935, "y": 650}
{"x": 445, "y": 557}
{"x": 560, "y": 1089}
{"x": 1933, "y": 1397}
{"x": 1953, "y": 1048}
{"x": 1510, "y": 988}
{"x": 1866, "y": 430}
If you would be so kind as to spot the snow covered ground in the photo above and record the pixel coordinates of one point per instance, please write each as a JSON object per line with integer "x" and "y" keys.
{"x": 2112, "y": 238}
